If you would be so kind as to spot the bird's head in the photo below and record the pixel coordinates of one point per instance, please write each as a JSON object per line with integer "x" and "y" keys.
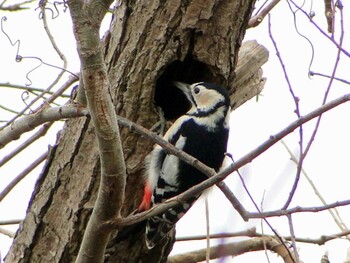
{"x": 204, "y": 96}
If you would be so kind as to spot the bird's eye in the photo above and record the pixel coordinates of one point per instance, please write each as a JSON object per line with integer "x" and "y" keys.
{"x": 196, "y": 90}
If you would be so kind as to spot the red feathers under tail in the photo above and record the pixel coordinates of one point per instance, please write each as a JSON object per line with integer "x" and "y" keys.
{"x": 146, "y": 201}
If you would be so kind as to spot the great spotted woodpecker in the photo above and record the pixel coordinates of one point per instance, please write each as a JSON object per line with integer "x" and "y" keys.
{"x": 202, "y": 132}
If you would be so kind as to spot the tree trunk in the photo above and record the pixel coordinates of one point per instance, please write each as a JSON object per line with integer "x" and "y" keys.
{"x": 149, "y": 45}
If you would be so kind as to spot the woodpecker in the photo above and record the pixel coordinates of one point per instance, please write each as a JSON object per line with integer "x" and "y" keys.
{"x": 203, "y": 133}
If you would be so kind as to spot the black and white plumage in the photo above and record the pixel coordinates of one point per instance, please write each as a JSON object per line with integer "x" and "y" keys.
{"x": 203, "y": 133}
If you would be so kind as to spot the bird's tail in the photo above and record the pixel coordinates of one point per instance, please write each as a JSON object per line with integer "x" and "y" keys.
{"x": 157, "y": 227}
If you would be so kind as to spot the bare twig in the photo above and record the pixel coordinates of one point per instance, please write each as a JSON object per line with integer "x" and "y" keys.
{"x": 21, "y": 113}
{"x": 235, "y": 249}
{"x": 292, "y": 235}
{"x": 58, "y": 93}
{"x": 54, "y": 95}
{"x": 23, "y": 174}
{"x": 329, "y": 13}
{"x": 29, "y": 122}
{"x": 233, "y": 200}
{"x": 42, "y": 5}
{"x": 41, "y": 132}
{"x": 262, "y": 227}
{"x": 312, "y": 73}
{"x": 257, "y": 19}
{"x": 10, "y": 222}
{"x": 297, "y": 112}
{"x": 59, "y": 76}
{"x": 325, "y": 97}
{"x": 15, "y": 7}
{"x": 9, "y": 110}
{"x": 320, "y": 29}
{"x": 20, "y": 87}
{"x": 298, "y": 209}
{"x": 6, "y": 232}
{"x": 251, "y": 232}
{"x": 334, "y": 212}
{"x": 258, "y": 209}
{"x": 207, "y": 254}
{"x": 322, "y": 239}
{"x": 45, "y": 99}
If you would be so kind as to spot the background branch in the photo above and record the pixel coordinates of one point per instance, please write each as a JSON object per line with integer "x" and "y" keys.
{"x": 10, "y": 222}
{"x": 41, "y": 132}
{"x": 235, "y": 249}
{"x": 251, "y": 232}
{"x": 20, "y": 87}
{"x": 6, "y": 232}
{"x": 23, "y": 174}
{"x": 298, "y": 209}
{"x": 334, "y": 212}
{"x": 15, "y": 7}
{"x": 258, "y": 18}
{"x": 29, "y": 122}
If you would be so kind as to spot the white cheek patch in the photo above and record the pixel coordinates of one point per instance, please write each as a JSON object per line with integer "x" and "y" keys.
{"x": 207, "y": 99}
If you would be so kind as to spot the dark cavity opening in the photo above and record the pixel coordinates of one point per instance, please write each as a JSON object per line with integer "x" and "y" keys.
{"x": 169, "y": 98}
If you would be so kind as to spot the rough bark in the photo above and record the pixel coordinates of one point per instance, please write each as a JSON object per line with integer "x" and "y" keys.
{"x": 150, "y": 44}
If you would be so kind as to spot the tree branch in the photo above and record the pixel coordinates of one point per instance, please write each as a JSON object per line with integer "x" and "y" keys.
{"x": 23, "y": 174}
{"x": 41, "y": 132}
{"x": 320, "y": 29}
{"x": 29, "y": 122}
{"x": 235, "y": 249}
{"x": 6, "y": 232}
{"x": 258, "y": 18}
{"x": 251, "y": 232}
{"x": 15, "y": 7}
{"x": 298, "y": 209}
{"x": 329, "y": 14}
{"x": 334, "y": 212}
{"x": 10, "y": 222}
{"x": 87, "y": 17}
{"x": 21, "y": 87}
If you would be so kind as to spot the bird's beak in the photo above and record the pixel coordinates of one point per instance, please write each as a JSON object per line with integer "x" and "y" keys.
{"x": 185, "y": 88}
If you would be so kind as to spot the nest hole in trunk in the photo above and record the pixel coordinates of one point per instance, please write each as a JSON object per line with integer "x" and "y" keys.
{"x": 171, "y": 99}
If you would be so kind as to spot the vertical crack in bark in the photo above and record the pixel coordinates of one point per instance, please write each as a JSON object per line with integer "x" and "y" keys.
{"x": 79, "y": 142}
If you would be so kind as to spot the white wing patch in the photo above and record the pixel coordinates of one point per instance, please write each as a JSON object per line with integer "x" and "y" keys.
{"x": 170, "y": 168}
{"x": 175, "y": 127}
{"x": 170, "y": 162}
{"x": 153, "y": 167}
